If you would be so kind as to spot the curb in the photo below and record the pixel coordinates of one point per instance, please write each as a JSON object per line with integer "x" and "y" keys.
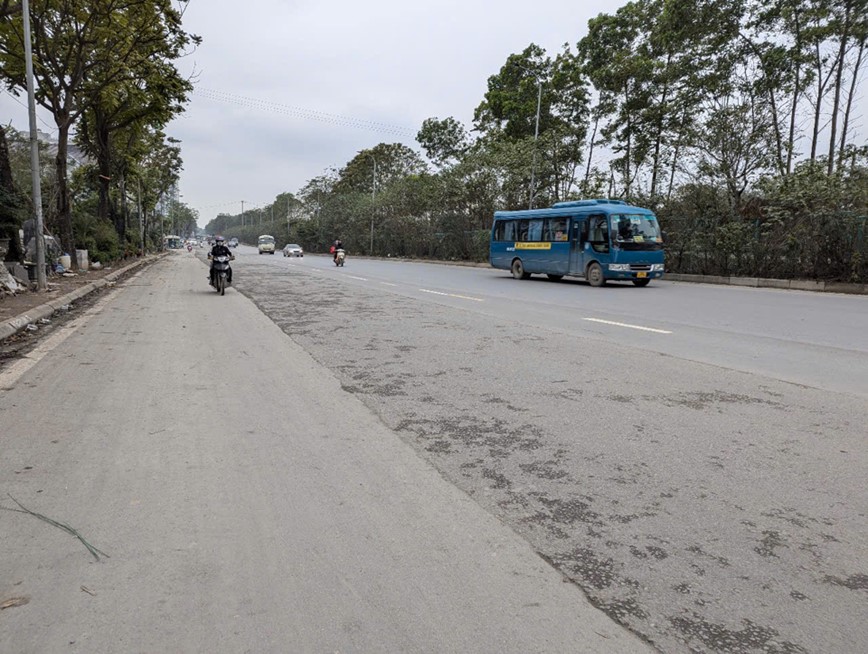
{"x": 20, "y": 322}
{"x": 760, "y": 282}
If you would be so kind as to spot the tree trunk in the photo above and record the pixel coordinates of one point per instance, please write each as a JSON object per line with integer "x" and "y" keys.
{"x": 10, "y": 205}
{"x": 590, "y": 154}
{"x": 123, "y": 220}
{"x": 64, "y": 211}
{"x": 627, "y": 174}
{"x": 846, "y": 124}
{"x": 675, "y": 161}
{"x": 839, "y": 75}
{"x": 773, "y": 105}
{"x": 658, "y": 142}
{"x": 797, "y": 91}
{"x": 818, "y": 102}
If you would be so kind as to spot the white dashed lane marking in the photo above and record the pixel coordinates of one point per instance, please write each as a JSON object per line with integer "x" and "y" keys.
{"x": 624, "y": 324}
{"x": 462, "y": 297}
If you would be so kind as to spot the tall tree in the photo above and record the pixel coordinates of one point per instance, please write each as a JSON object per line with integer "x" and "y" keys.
{"x": 544, "y": 102}
{"x": 78, "y": 47}
{"x": 148, "y": 92}
{"x": 444, "y": 141}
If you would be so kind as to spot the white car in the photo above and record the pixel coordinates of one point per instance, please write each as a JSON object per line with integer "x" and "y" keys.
{"x": 292, "y": 250}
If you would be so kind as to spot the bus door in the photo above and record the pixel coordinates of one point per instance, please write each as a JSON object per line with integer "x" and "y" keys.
{"x": 578, "y": 236}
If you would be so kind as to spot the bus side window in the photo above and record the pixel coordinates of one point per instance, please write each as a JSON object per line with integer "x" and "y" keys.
{"x": 598, "y": 234}
{"x": 522, "y": 230}
{"x": 535, "y": 230}
{"x": 555, "y": 229}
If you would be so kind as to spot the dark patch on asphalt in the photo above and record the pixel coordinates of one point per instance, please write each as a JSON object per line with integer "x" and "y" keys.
{"x": 701, "y": 401}
{"x": 623, "y": 609}
{"x": 570, "y": 511}
{"x": 584, "y": 564}
{"x": 500, "y": 481}
{"x": 544, "y": 470}
{"x": 718, "y": 638}
{"x": 495, "y": 434}
{"x": 853, "y": 582}
{"x": 770, "y": 542}
{"x": 721, "y": 560}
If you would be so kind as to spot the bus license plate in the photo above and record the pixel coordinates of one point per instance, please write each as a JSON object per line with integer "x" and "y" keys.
{"x": 641, "y": 274}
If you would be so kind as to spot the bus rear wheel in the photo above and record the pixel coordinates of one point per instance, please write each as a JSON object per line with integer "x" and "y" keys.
{"x": 518, "y": 270}
{"x": 641, "y": 282}
{"x": 595, "y": 275}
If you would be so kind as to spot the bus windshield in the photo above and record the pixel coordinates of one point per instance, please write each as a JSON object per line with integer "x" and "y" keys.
{"x": 632, "y": 229}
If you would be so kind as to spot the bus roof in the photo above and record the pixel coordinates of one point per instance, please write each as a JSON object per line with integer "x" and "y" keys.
{"x": 569, "y": 208}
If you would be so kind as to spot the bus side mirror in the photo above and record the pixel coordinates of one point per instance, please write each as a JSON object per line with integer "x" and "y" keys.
{"x": 664, "y": 236}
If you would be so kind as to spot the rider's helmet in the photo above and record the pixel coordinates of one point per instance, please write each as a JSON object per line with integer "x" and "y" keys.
{"x": 219, "y": 239}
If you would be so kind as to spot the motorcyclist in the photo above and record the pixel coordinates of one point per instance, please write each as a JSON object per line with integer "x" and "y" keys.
{"x": 220, "y": 250}
{"x": 337, "y": 246}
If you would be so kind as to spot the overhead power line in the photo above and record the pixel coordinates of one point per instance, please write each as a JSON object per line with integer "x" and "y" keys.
{"x": 300, "y": 112}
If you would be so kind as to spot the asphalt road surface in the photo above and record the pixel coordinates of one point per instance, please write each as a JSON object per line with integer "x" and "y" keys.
{"x": 692, "y": 456}
{"x": 229, "y": 496}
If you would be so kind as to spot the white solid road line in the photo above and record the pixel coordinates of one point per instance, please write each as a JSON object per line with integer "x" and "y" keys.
{"x": 623, "y": 324}
{"x": 361, "y": 279}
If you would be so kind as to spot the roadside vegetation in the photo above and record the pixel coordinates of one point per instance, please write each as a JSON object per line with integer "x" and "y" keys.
{"x": 736, "y": 122}
{"x": 105, "y": 71}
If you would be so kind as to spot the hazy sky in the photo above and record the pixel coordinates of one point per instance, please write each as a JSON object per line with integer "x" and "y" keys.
{"x": 288, "y": 88}
{"x": 381, "y": 61}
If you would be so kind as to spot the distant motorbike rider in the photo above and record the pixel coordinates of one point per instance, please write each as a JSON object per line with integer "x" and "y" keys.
{"x": 220, "y": 250}
{"x": 337, "y": 246}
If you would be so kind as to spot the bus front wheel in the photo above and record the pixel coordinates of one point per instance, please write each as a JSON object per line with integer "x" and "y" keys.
{"x": 595, "y": 275}
{"x": 641, "y": 282}
{"x": 518, "y": 270}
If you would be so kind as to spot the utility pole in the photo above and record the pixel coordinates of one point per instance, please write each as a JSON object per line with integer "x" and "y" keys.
{"x": 373, "y": 204}
{"x": 242, "y": 213}
{"x": 41, "y": 282}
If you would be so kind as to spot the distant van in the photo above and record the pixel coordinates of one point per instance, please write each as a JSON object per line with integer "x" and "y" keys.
{"x": 266, "y": 244}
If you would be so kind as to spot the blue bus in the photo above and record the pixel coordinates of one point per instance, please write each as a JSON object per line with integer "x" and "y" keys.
{"x": 600, "y": 240}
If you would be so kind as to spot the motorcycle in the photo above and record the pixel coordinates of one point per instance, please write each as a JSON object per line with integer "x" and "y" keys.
{"x": 340, "y": 256}
{"x": 220, "y": 272}
{"x": 189, "y": 248}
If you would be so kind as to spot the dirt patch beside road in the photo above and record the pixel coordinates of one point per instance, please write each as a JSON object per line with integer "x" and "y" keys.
{"x": 25, "y": 303}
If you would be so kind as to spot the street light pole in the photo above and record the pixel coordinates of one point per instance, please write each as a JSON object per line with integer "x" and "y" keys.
{"x": 531, "y": 192}
{"x": 535, "y": 138}
{"x": 41, "y": 282}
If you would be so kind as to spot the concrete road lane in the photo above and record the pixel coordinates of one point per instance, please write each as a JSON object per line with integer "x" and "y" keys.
{"x": 245, "y": 502}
